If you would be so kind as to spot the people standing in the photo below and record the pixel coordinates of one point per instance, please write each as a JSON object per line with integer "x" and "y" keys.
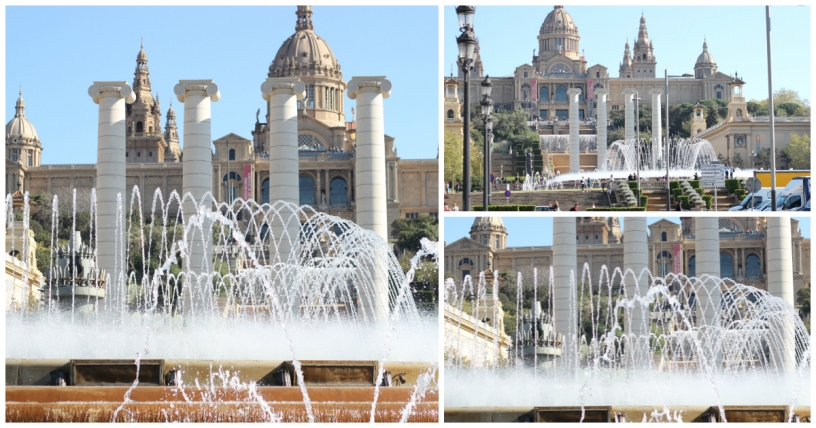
{"x": 455, "y": 207}
{"x": 574, "y": 207}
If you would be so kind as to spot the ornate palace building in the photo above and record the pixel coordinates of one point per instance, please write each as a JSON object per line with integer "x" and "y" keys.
{"x": 540, "y": 87}
{"x": 600, "y": 242}
{"x": 240, "y": 164}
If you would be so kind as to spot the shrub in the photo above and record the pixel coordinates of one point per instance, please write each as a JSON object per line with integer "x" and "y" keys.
{"x": 740, "y": 194}
{"x": 732, "y": 184}
{"x": 505, "y": 207}
{"x": 684, "y": 200}
{"x": 708, "y": 200}
{"x": 644, "y": 200}
{"x": 674, "y": 184}
{"x": 695, "y": 183}
{"x": 677, "y": 192}
{"x": 633, "y": 185}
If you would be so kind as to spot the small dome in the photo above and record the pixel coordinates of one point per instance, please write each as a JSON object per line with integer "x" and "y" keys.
{"x": 303, "y": 50}
{"x": 558, "y": 21}
{"x": 19, "y": 127}
{"x": 705, "y": 59}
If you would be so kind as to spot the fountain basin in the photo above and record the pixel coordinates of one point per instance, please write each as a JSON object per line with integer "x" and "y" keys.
{"x": 163, "y": 404}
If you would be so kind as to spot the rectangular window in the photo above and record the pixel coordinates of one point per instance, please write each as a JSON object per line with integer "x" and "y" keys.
{"x": 615, "y": 107}
{"x": 127, "y": 154}
{"x": 138, "y": 154}
{"x": 150, "y": 154}
{"x": 598, "y": 74}
{"x": 311, "y": 96}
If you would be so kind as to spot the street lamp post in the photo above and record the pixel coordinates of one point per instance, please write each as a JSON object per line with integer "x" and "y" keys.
{"x": 467, "y": 45}
{"x": 487, "y": 117}
{"x": 637, "y": 143}
{"x": 668, "y": 190}
{"x": 771, "y": 110}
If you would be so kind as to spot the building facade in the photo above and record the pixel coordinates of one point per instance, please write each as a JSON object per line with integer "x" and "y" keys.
{"x": 540, "y": 87}
{"x": 241, "y": 165}
{"x": 743, "y": 256}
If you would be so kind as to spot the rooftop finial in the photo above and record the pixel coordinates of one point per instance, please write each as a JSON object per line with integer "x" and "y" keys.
{"x": 21, "y": 89}
{"x": 304, "y": 18}
{"x": 142, "y": 42}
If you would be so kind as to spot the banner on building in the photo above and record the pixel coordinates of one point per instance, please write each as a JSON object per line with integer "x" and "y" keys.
{"x": 589, "y": 90}
{"x": 535, "y": 92}
{"x": 678, "y": 259}
{"x": 247, "y": 181}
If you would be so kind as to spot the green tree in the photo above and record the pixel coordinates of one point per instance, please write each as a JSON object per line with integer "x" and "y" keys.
{"x": 410, "y": 231}
{"x": 454, "y": 156}
{"x": 803, "y": 300}
{"x": 798, "y": 151}
{"x": 711, "y": 117}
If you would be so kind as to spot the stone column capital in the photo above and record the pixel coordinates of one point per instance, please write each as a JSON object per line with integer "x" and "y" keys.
{"x": 601, "y": 91}
{"x": 368, "y": 83}
{"x": 629, "y": 92}
{"x": 112, "y": 88}
{"x": 655, "y": 91}
{"x": 207, "y": 86}
{"x": 292, "y": 84}
{"x": 573, "y": 91}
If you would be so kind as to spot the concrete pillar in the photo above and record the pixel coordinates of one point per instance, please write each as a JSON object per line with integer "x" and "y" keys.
{"x": 565, "y": 286}
{"x": 780, "y": 284}
{"x": 657, "y": 123}
{"x": 603, "y": 94}
{"x": 709, "y": 294}
{"x": 197, "y": 181}
{"x": 284, "y": 227}
{"x": 636, "y": 322}
{"x": 629, "y": 114}
{"x": 574, "y": 141}
{"x": 110, "y": 184}
{"x": 370, "y": 182}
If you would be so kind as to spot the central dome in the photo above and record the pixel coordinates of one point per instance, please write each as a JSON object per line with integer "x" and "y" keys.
{"x": 304, "y": 53}
{"x": 705, "y": 58}
{"x": 558, "y": 21}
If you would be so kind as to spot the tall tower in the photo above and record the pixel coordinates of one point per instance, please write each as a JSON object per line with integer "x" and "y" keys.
{"x": 173, "y": 151}
{"x": 453, "y": 114}
{"x": 145, "y": 141}
{"x": 625, "y": 70}
{"x": 643, "y": 62}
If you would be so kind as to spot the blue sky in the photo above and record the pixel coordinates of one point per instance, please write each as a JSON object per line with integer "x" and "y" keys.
{"x": 57, "y": 52}
{"x": 537, "y": 231}
{"x": 735, "y": 36}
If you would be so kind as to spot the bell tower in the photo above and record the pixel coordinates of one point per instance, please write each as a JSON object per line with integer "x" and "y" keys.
{"x": 145, "y": 140}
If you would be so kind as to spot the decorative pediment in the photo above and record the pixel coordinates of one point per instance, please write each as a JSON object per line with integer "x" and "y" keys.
{"x": 466, "y": 244}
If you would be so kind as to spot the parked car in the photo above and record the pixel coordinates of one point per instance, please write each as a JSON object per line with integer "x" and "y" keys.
{"x": 543, "y": 208}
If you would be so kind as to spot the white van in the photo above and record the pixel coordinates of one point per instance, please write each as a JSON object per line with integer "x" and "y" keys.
{"x": 758, "y": 199}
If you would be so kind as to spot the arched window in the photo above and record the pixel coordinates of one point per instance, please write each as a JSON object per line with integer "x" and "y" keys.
{"x": 726, "y": 266}
{"x": 752, "y": 269}
{"x": 465, "y": 265}
{"x": 139, "y": 127}
{"x": 525, "y": 74}
{"x": 307, "y": 190}
{"x": 232, "y": 188}
{"x": 543, "y": 93}
{"x": 663, "y": 236}
{"x": 450, "y": 114}
{"x": 232, "y": 154}
{"x": 560, "y": 68}
{"x": 264, "y": 232}
{"x": 265, "y": 191}
{"x": 664, "y": 259}
{"x": 561, "y": 93}
{"x": 338, "y": 191}
{"x": 692, "y": 269}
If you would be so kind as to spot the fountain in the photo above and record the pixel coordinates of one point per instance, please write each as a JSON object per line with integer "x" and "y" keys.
{"x": 233, "y": 311}
{"x": 560, "y": 143}
{"x": 654, "y": 348}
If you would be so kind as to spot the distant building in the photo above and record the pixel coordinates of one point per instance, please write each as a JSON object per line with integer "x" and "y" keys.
{"x": 600, "y": 243}
{"x": 241, "y": 165}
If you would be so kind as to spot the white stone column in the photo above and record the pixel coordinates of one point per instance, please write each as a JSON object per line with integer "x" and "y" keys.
{"x": 566, "y": 277}
{"x": 603, "y": 94}
{"x": 110, "y": 184}
{"x": 282, "y": 95}
{"x": 629, "y": 114}
{"x": 657, "y": 123}
{"x": 780, "y": 284}
{"x": 197, "y": 179}
{"x": 370, "y": 182}
{"x": 574, "y": 141}
{"x": 636, "y": 322}
{"x": 709, "y": 294}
